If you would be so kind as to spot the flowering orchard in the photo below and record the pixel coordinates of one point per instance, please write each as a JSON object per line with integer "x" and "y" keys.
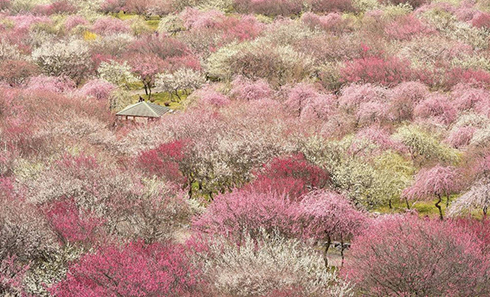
{"x": 308, "y": 148}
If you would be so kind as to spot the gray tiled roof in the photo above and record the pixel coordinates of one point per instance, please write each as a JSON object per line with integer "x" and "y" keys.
{"x": 144, "y": 109}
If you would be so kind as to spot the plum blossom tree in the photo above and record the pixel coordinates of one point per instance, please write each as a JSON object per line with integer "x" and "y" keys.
{"x": 247, "y": 212}
{"x": 405, "y": 97}
{"x": 116, "y": 73}
{"x": 16, "y": 73}
{"x": 268, "y": 7}
{"x": 24, "y": 233}
{"x": 97, "y": 88}
{"x": 266, "y": 265}
{"x": 183, "y": 79}
{"x": 11, "y": 276}
{"x": 131, "y": 270}
{"x": 436, "y": 106}
{"x": 437, "y": 181}
{"x": 292, "y": 175}
{"x": 423, "y": 147}
{"x": 250, "y": 90}
{"x": 73, "y": 21}
{"x": 63, "y": 58}
{"x": 371, "y": 69}
{"x": 209, "y": 96}
{"x": 328, "y": 216}
{"x": 110, "y": 25}
{"x": 55, "y": 84}
{"x": 407, "y": 256}
{"x": 164, "y": 161}
{"x": 58, "y": 58}
{"x": 146, "y": 67}
{"x": 478, "y": 197}
{"x": 70, "y": 223}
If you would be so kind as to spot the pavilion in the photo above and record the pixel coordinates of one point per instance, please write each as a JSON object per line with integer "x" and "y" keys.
{"x": 141, "y": 110}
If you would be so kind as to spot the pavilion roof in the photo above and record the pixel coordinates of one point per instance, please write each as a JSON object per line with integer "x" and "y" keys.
{"x": 144, "y": 109}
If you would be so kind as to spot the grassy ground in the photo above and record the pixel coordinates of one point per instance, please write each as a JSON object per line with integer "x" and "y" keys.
{"x": 424, "y": 208}
{"x": 152, "y": 22}
{"x": 164, "y": 97}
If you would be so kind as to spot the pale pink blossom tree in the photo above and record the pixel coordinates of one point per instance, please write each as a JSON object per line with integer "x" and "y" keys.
{"x": 328, "y": 216}
{"x": 435, "y": 182}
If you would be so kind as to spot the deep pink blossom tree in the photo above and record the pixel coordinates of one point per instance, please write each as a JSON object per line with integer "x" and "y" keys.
{"x": 71, "y": 223}
{"x": 292, "y": 175}
{"x": 131, "y": 270}
{"x": 164, "y": 161}
{"x": 371, "y": 69}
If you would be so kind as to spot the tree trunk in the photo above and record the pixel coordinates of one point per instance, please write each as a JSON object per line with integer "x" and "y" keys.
{"x": 484, "y": 213}
{"x": 408, "y": 204}
{"x": 146, "y": 89}
{"x": 342, "y": 250}
{"x": 327, "y": 246}
{"x": 447, "y": 202}
{"x": 439, "y": 207}
{"x": 389, "y": 204}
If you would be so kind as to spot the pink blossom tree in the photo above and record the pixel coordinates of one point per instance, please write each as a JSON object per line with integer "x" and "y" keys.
{"x": 328, "y": 216}
{"x": 407, "y": 256}
{"x": 131, "y": 270}
{"x": 404, "y": 98}
{"x": 97, "y": 88}
{"x": 436, "y": 106}
{"x": 16, "y": 73}
{"x": 371, "y": 69}
{"x": 437, "y": 181}
{"x": 250, "y": 90}
{"x": 110, "y": 25}
{"x": 11, "y": 276}
{"x": 72, "y": 224}
{"x": 146, "y": 66}
{"x": 235, "y": 213}
{"x": 292, "y": 175}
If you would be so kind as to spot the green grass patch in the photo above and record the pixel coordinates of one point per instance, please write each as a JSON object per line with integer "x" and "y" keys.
{"x": 173, "y": 102}
{"x": 424, "y": 208}
{"x": 125, "y": 16}
{"x": 153, "y": 24}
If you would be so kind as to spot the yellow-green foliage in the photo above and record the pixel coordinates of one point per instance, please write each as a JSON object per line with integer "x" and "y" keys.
{"x": 393, "y": 11}
{"x": 89, "y": 36}
{"x": 278, "y": 64}
{"x": 424, "y": 147}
